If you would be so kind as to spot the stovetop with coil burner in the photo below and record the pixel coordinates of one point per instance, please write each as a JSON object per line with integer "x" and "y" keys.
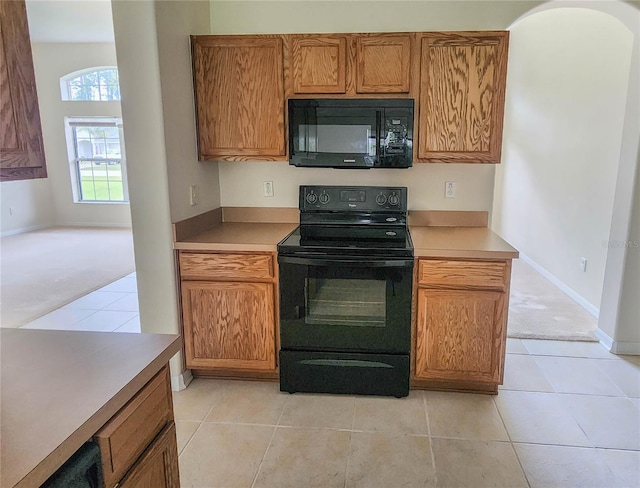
{"x": 351, "y": 221}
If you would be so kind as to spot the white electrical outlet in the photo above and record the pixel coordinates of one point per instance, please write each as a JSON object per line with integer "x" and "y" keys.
{"x": 583, "y": 264}
{"x": 449, "y": 189}
{"x": 193, "y": 195}
{"x": 267, "y": 189}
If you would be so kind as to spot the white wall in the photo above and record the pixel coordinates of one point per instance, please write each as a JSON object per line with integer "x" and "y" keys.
{"x": 628, "y": 330}
{"x": 565, "y": 106}
{"x": 51, "y": 62}
{"x": 155, "y": 130}
{"x": 241, "y": 183}
{"x": 177, "y": 20}
{"x": 26, "y": 205}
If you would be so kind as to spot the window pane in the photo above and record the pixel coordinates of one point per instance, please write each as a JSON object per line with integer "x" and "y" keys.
{"x": 94, "y": 85}
{"x": 101, "y": 181}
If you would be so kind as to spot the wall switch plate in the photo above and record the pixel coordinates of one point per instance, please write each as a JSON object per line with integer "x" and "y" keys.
{"x": 193, "y": 195}
{"x": 267, "y": 189}
{"x": 449, "y": 189}
{"x": 583, "y": 264}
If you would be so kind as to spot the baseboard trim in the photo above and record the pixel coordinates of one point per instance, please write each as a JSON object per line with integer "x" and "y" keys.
{"x": 604, "y": 338}
{"x": 180, "y": 382}
{"x": 630, "y": 348}
{"x": 579, "y": 299}
{"x": 23, "y": 230}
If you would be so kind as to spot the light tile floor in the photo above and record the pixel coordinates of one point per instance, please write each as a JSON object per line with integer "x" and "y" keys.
{"x": 568, "y": 415}
{"x": 112, "y": 308}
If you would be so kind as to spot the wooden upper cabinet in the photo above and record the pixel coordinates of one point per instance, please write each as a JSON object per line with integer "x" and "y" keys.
{"x": 462, "y": 87}
{"x": 319, "y": 64}
{"x": 239, "y": 96}
{"x": 383, "y": 63}
{"x": 21, "y": 146}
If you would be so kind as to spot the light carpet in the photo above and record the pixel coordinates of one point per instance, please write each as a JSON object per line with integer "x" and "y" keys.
{"x": 540, "y": 310}
{"x": 43, "y": 270}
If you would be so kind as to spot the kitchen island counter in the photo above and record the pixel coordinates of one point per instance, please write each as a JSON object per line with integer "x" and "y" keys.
{"x": 60, "y": 387}
{"x": 460, "y": 242}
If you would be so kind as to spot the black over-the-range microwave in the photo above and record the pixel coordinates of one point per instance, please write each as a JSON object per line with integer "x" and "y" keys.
{"x": 351, "y": 133}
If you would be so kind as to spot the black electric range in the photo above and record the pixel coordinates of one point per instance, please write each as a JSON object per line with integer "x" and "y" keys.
{"x": 345, "y": 292}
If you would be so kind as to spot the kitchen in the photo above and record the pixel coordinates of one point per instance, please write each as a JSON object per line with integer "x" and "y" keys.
{"x": 153, "y": 266}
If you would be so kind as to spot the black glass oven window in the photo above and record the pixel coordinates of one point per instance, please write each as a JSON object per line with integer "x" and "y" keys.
{"x": 345, "y": 302}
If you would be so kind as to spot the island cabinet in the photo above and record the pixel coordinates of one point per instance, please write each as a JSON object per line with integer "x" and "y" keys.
{"x": 460, "y": 324}
{"x": 350, "y": 64}
{"x": 239, "y": 97}
{"x": 462, "y": 89}
{"x": 229, "y": 312}
{"x": 138, "y": 446}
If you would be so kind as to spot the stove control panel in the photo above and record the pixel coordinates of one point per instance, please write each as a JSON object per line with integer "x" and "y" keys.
{"x": 353, "y": 198}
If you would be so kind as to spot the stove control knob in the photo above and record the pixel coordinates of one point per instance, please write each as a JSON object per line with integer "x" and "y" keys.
{"x": 394, "y": 199}
{"x": 311, "y": 198}
{"x": 381, "y": 199}
{"x": 324, "y": 198}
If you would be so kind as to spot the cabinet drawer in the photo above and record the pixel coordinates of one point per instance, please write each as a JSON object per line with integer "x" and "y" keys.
{"x": 208, "y": 266}
{"x": 134, "y": 427}
{"x": 462, "y": 274}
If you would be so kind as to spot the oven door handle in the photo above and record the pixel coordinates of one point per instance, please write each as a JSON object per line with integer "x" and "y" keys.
{"x": 398, "y": 263}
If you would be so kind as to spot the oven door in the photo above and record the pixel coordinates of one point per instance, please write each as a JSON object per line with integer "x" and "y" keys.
{"x": 340, "y": 304}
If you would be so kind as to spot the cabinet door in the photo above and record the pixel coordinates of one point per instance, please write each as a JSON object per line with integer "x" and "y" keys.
{"x": 158, "y": 465}
{"x": 463, "y": 78}
{"x": 319, "y": 64}
{"x": 229, "y": 325}
{"x": 383, "y": 64}
{"x": 459, "y": 335}
{"x": 21, "y": 147}
{"x": 239, "y": 96}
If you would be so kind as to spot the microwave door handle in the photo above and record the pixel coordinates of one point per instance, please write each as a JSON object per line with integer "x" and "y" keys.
{"x": 378, "y": 134}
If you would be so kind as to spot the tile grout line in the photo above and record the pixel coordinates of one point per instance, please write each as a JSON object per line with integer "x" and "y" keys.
{"x": 351, "y": 431}
{"x": 433, "y": 456}
{"x": 273, "y": 434}
{"x": 511, "y": 443}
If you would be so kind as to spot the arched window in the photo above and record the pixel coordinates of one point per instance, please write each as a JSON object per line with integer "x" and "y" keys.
{"x": 98, "y": 84}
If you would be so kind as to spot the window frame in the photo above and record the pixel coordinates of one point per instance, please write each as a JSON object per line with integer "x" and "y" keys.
{"x": 71, "y": 123}
{"x": 65, "y": 89}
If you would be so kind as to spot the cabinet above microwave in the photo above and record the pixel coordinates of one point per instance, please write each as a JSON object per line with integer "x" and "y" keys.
{"x": 351, "y": 133}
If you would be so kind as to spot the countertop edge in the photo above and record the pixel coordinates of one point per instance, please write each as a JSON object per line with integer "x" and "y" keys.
{"x": 85, "y": 432}
{"x": 219, "y": 246}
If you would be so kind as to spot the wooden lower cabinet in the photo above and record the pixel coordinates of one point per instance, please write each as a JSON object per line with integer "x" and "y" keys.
{"x": 229, "y": 325}
{"x": 460, "y": 328}
{"x": 229, "y": 310}
{"x": 158, "y": 466}
{"x": 138, "y": 446}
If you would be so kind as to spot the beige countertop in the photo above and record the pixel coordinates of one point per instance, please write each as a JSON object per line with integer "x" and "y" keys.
{"x": 428, "y": 241}
{"x": 460, "y": 242}
{"x": 237, "y": 236}
{"x": 58, "y": 388}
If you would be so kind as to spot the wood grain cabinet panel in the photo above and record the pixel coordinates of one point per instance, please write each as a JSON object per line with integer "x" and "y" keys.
{"x": 383, "y": 64}
{"x": 319, "y": 64}
{"x": 462, "y": 274}
{"x": 460, "y": 324}
{"x": 21, "y": 147}
{"x": 229, "y": 325}
{"x": 459, "y": 335}
{"x": 158, "y": 466}
{"x": 134, "y": 427}
{"x": 208, "y": 266}
{"x": 239, "y": 96}
{"x": 463, "y": 78}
